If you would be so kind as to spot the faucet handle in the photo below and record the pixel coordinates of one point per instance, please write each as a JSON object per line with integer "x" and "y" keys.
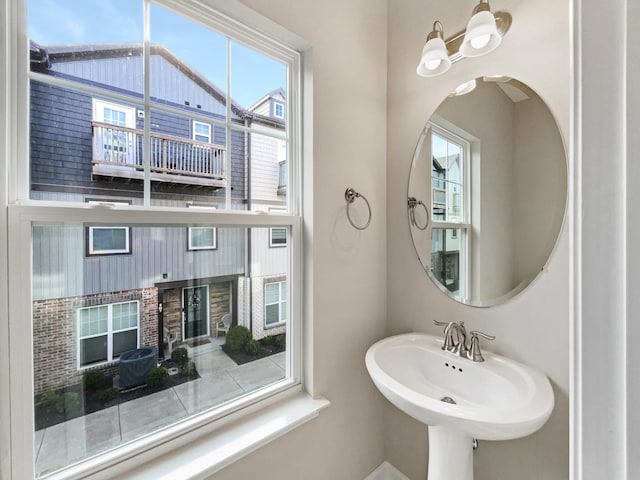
{"x": 474, "y": 352}
{"x": 448, "y": 344}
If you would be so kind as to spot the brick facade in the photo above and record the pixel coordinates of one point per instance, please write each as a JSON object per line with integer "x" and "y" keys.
{"x": 259, "y": 329}
{"x": 55, "y": 332}
{"x": 219, "y": 304}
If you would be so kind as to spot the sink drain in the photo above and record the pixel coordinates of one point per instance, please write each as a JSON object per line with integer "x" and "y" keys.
{"x": 448, "y": 400}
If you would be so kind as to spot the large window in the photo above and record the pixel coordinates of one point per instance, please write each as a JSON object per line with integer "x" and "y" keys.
{"x": 122, "y": 113}
{"x": 450, "y": 210}
{"x": 106, "y": 331}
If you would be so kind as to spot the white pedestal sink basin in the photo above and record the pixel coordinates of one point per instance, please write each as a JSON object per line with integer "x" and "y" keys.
{"x": 498, "y": 399}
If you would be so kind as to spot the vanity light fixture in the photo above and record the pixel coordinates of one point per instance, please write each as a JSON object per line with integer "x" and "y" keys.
{"x": 435, "y": 58}
{"x": 483, "y": 34}
{"x": 464, "y": 88}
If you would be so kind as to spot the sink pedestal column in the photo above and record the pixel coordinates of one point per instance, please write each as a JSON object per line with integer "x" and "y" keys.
{"x": 450, "y": 454}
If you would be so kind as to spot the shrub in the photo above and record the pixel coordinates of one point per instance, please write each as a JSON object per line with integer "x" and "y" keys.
{"x": 93, "y": 380}
{"x": 252, "y": 347}
{"x": 156, "y": 377}
{"x": 280, "y": 341}
{"x": 50, "y": 399}
{"x": 68, "y": 402}
{"x": 189, "y": 369}
{"x": 237, "y": 337}
{"x": 110, "y": 394}
{"x": 180, "y": 356}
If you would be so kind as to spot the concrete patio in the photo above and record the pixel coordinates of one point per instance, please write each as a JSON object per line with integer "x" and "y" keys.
{"x": 220, "y": 380}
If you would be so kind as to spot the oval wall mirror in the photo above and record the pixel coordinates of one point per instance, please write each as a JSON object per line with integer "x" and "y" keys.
{"x": 487, "y": 191}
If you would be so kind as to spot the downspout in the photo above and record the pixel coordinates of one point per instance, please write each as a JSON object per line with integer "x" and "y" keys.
{"x": 247, "y": 159}
{"x": 160, "y": 324}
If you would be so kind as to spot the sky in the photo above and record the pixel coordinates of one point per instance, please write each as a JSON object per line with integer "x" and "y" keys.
{"x": 76, "y": 22}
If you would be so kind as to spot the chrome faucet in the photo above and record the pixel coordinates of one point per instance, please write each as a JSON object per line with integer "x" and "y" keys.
{"x": 458, "y": 345}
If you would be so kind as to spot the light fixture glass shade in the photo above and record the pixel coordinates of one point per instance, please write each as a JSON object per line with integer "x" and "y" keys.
{"x": 481, "y": 36}
{"x": 434, "y": 59}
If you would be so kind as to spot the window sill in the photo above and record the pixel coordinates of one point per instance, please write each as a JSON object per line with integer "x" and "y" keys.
{"x": 214, "y": 451}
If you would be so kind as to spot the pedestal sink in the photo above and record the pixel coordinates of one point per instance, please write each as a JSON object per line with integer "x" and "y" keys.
{"x": 460, "y": 400}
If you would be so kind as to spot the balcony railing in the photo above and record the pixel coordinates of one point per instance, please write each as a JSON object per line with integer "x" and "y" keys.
{"x": 117, "y": 152}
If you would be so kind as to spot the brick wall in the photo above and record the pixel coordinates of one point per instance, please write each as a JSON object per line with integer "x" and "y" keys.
{"x": 55, "y": 335}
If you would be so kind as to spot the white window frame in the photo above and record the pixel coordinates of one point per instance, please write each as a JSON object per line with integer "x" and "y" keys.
{"x": 277, "y": 104}
{"x": 91, "y": 250}
{"x": 193, "y": 248}
{"x": 282, "y": 286}
{"x": 209, "y": 136}
{"x": 455, "y": 135}
{"x": 109, "y": 333}
{"x": 273, "y": 244}
{"x": 22, "y": 213}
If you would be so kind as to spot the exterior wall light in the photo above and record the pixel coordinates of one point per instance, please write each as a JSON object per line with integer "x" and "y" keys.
{"x": 483, "y": 34}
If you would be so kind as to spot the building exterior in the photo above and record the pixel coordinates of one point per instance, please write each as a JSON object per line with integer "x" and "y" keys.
{"x": 163, "y": 281}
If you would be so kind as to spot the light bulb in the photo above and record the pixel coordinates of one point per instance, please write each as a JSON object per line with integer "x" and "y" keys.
{"x": 432, "y": 64}
{"x": 480, "y": 41}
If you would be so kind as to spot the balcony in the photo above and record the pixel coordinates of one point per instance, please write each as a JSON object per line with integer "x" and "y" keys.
{"x": 117, "y": 152}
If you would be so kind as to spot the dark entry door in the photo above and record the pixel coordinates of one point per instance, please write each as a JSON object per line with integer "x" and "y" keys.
{"x": 195, "y": 305}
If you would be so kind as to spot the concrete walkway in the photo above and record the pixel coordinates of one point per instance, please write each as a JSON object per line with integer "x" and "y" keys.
{"x": 220, "y": 380}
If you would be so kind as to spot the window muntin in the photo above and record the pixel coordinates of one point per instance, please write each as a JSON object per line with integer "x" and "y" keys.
{"x": 275, "y": 303}
{"x": 106, "y": 331}
{"x": 108, "y": 240}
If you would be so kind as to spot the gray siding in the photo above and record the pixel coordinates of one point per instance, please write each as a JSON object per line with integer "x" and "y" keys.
{"x": 61, "y": 145}
{"x": 61, "y": 268}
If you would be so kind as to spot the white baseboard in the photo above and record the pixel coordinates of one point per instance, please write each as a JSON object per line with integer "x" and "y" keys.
{"x": 386, "y": 471}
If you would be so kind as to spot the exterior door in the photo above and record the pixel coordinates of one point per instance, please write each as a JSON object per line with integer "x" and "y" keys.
{"x": 195, "y": 305}
{"x": 115, "y": 145}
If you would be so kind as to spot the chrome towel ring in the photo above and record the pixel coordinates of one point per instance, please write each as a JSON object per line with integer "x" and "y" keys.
{"x": 412, "y": 203}
{"x": 350, "y": 196}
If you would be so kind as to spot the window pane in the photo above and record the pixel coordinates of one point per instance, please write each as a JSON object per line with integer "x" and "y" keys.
{"x": 445, "y": 257}
{"x": 125, "y": 315}
{"x": 124, "y": 341}
{"x": 202, "y": 238}
{"x": 447, "y": 179}
{"x": 93, "y": 350}
{"x": 107, "y": 240}
{"x": 119, "y": 303}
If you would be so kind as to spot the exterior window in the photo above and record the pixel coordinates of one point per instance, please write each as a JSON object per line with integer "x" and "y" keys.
{"x": 106, "y": 331}
{"x": 202, "y": 132}
{"x": 277, "y": 237}
{"x": 278, "y": 110}
{"x": 449, "y": 206}
{"x": 275, "y": 303}
{"x": 202, "y": 238}
{"x": 108, "y": 240}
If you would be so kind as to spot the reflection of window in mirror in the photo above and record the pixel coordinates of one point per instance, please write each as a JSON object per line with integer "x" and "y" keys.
{"x": 450, "y": 209}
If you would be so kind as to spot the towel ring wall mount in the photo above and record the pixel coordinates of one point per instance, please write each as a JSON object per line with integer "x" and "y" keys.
{"x": 350, "y": 195}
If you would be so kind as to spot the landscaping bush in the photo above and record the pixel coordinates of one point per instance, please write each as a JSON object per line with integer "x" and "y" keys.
{"x": 237, "y": 337}
{"x": 252, "y": 347}
{"x": 50, "y": 399}
{"x": 93, "y": 380}
{"x": 280, "y": 341}
{"x": 189, "y": 369}
{"x": 156, "y": 377}
{"x": 68, "y": 402}
{"x": 110, "y": 394}
{"x": 180, "y": 356}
